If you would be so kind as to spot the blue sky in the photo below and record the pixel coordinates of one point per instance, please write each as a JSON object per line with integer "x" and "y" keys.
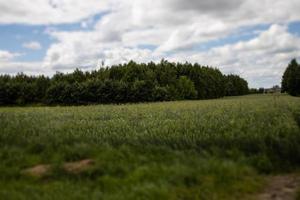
{"x": 255, "y": 39}
{"x": 13, "y": 36}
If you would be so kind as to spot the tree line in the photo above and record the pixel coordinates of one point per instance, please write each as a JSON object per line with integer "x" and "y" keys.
{"x": 130, "y": 82}
{"x": 291, "y": 79}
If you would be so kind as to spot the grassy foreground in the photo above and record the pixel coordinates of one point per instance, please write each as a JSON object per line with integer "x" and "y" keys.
{"x": 212, "y": 149}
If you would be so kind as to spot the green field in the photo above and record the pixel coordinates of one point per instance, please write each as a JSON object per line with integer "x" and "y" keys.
{"x": 210, "y": 149}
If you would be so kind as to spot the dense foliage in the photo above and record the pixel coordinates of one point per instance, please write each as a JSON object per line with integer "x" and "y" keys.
{"x": 235, "y": 86}
{"x": 129, "y": 82}
{"x": 291, "y": 79}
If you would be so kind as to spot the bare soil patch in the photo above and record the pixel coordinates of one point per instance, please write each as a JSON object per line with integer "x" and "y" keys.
{"x": 281, "y": 187}
{"x": 43, "y": 170}
{"x": 78, "y": 166}
{"x": 38, "y": 171}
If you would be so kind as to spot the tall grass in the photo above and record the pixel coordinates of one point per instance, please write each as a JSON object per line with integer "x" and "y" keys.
{"x": 211, "y": 149}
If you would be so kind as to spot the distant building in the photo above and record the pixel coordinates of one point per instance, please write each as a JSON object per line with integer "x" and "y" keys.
{"x": 274, "y": 89}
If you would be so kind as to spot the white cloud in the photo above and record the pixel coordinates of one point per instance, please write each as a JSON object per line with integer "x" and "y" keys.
{"x": 6, "y": 55}
{"x": 33, "y": 45}
{"x": 50, "y": 11}
{"x": 173, "y": 27}
{"x": 261, "y": 60}
{"x": 30, "y": 68}
{"x": 8, "y": 65}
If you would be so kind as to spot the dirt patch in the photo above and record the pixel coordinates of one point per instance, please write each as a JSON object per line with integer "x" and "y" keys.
{"x": 78, "y": 166}
{"x": 281, "y": 187}
{"x": 38, "y": 171}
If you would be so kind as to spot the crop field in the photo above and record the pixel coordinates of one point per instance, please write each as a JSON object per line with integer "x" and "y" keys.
{"x": 209, "y": 149}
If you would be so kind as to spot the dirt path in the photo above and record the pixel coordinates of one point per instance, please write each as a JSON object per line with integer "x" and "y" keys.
{"x": 42, "y": 170}
{"x": 281, "y": 187}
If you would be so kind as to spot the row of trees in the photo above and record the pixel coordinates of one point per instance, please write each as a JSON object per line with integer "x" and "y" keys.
{"x": 129, "y": 82}
{"x": 291, "y": 79}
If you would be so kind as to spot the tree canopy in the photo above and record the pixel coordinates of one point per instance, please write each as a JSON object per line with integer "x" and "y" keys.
{"x": 291, "y": 79}
{"x": 130, "y": 82}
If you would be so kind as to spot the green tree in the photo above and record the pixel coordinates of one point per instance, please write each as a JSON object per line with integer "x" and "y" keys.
{"x": 131, "y": 82}
{"x": 186, "y": 88}
{"x": 235, "y": 85}
{"x": 291, "y": 79}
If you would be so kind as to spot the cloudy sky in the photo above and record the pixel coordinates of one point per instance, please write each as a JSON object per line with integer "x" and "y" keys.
{"x": 253, "y": 38}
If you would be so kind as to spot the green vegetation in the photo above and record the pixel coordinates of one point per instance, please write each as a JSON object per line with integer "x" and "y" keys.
{"x": 210, "y": 149}
{"x": 291, "y": 79}
{"x": 131, "y": 82}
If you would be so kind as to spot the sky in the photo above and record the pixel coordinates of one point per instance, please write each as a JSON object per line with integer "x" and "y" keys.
{"x": 255, "y": 39}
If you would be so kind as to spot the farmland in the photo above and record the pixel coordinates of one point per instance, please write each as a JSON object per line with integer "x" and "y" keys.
{"x": 208, "y": 149}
